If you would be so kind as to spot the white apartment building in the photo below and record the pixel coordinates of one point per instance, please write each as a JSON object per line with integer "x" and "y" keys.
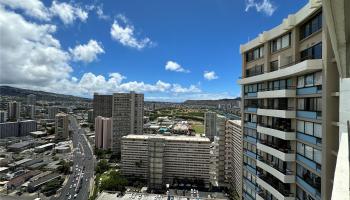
{"x": 127, "y": 115}
{"x": 233, "y": 156}
{"x": 162, "y": 160}
{"x": 293, "y": 82}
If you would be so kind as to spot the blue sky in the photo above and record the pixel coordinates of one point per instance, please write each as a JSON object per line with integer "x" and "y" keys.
{"x": 169, "y": 50}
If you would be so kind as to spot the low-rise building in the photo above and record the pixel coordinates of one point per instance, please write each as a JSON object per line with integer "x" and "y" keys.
{"x": 44, "y": 147}
{"x": 20, "y": 146}
{"x": 33, "y": 186}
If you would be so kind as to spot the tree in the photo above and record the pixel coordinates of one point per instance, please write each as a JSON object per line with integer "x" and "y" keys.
{"x": 114, "y": 182}
{"x": 102, "y": 166}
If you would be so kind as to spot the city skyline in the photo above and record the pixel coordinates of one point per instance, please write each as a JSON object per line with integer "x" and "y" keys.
{"x": 104, "y": 47}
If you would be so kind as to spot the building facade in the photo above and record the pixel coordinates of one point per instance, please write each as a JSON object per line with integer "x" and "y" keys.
{"x": 103, "y": 132}
{"x": 52, "y": 111}
{"x": 290, "y": 110}
{"x": 102, "y": 105}
{"x": 127, "y": 115}
{"x": 233, "y": 156}
{"x": 3, "y": 116}
{"x": 210, "y": 125}
{"x": 162, "y": 160}
{"x": 61, "y": 126}
{"x": 31, "y": 99}
{"x": 13, "y": 110}
{"x": 17, "y": 129}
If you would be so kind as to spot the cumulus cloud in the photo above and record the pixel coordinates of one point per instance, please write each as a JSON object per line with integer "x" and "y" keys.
{"x": 67, "y": 12}
{"x": 87, "y": 52}
{"x": 29, "y": 52}
{"x": 100, "y": 13}
{"x": 179, "y": 89}
{"x": 32, "y": 8}
{"x": 124, "y": 32}
{"x": 264, "y": 6}
{"x": 174, "y": 66}
{"x": 210, "y": 75}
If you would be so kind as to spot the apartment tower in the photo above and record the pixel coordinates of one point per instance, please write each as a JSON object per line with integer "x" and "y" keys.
{"x": 102, "y": 105}
{"x": 61, "y": 126}
{"x": 14, "y": 110}
{"x": 127, "y": 115}
{"x": 103, "y": 132}
{"x": 290, "y": 109}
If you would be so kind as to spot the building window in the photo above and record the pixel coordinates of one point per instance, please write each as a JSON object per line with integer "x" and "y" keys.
{"x": 256, "y": 70}
{"x": 309, "y": 152}
{"x": 254, "y": 54}
{"x": 280, "y": 43}
{"x": 301, "y": 82}
{"x": 274, "y": 66}
{"x": 314, "y": 52}
{"x": 318, "y": 78}
{"x": 311, "y": 26}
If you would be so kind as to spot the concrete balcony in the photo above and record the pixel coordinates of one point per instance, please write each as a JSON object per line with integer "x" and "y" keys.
{"x": 284, "y": 135}
{"x": 276, "y": 193}
{"x": 258, "y": 197}
{"x": 279, "y": 153}
{"x": 285, "y": 178}
{"x": 306, "y": 66}
{"x": 276, "y": 113}
{"x": 277, "y": 93}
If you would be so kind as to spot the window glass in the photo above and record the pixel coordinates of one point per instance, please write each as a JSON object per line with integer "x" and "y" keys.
{"x": 318, "y": 78}
{"x": 319, "y": 104}
{"x": 300, "y": 81}
{"x": 300, "y": 148}
{"x": 285, "y": 41}
{"x": 309, "y": 152}
{"x": 317, "y": 51}
{"x": 282, "y": 84}
{"x": 309, "y": 128}
{"x": 300, "y": 104}
{"x": 289, "y": 83}
{"x": 300, "y": 126}
{"x": 318, "y": 156}
{"x": 309, "y": 80}
{"x": 318, "y": 130}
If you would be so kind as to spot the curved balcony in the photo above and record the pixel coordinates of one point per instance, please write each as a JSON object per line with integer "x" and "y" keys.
{"x": 274, "y": 187}
{"x": 281, "y": 93}
{"x": 278, "y": 151}
{"x": 281, "y": 112}
{"x": 283, "y": 133}
{"x": 306, "y": 66}
{"x": 284, "y": 175}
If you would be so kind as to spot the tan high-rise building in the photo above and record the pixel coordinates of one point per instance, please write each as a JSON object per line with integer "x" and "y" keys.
{"x": 162, "y": 160}
{"x": 31, "y": 99}
{"x": 127, "y": 115}
{"x": 52, "y": 112}
{"x": 61, "y": 126}
{"x": 294, "y": 84}
{"x": 103, "y": 132}
{"x": 210, "y": 125}
{"x": 14, "y": 110}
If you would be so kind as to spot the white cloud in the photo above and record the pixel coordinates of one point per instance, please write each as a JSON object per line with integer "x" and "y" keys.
{"x": 68, "y": 13}
{"x": 29, "y": 52}
{"x": 210, "y": 75}
{"x": 265, "y": 6}
{"x": 179, "y": 89}
{"x": 32, "y": 8}
{"x": 124, "y": 33}
{"x": 86, "y": 52}
{"x": 174, "y": 66}
{"x": 100, "y": 13}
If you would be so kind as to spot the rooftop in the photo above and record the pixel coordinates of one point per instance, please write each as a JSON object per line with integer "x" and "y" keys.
{"x": 168, "y": 137}
{"x": 21, "y": 144}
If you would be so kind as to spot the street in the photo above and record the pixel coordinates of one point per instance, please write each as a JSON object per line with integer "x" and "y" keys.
{"x": 78, "y": 183}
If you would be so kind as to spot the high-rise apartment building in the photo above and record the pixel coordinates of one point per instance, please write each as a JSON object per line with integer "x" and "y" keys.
{"x": 3, "y": 116}
{"x": 52, "y": 112}
{"x": 161, "y": 160}
{"x": 290, "y": 99}
{"x": 14, "y": 110}
{"x": 91, "y": 118}
{"x": 61, "y": 126}
{"x": 210, "y": 125}
{"x": 127, "y": 115}
{"x": 102, "y": 105}
{"x": 31, "y": 99}
{"x": 233, "y": 156}
{"x": 103, "y": 132}
{"x": 30, "y": 111}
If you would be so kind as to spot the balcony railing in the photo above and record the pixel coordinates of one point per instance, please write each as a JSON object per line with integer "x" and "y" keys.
{"x": 275, "y": 166}
{"x": 276, "y": 184}
{"x": 280, "y": 128}
{"x": 279, "y": 107}
{"x": 296, "y": 61}
{"x": 280, "y": 147}
{"x": 277, "y": 88}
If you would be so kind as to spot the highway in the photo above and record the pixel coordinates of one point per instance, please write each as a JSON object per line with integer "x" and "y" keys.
{"x": 78, "y": 184}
